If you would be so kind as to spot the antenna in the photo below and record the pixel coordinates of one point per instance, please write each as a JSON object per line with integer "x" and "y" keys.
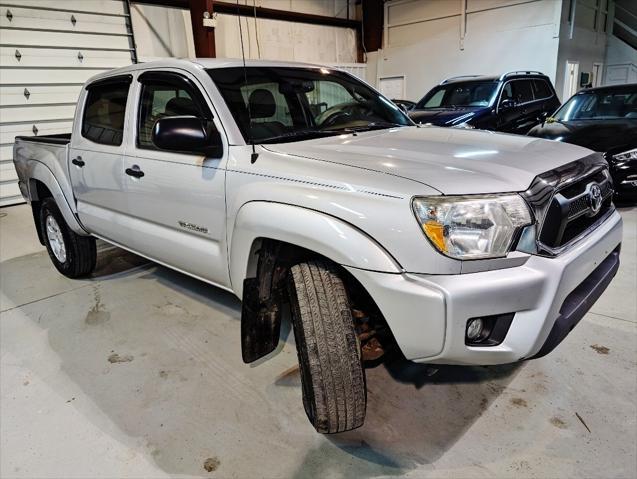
{"x": 254, "y": 155}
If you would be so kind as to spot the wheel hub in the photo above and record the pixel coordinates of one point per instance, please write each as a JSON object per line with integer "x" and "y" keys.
{"x": 56, "y": 240}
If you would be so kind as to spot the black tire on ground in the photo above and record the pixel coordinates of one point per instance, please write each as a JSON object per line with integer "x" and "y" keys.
{"x": 80, "y": 251}
{"x": 332, "y": 375}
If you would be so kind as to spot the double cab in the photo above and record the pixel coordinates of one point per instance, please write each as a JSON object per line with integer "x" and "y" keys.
{"x": 300, "y": 188}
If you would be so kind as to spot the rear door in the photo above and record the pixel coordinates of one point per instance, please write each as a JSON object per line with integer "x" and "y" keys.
{"x": 177, "y": 208}
{"x": 97, "y": 154}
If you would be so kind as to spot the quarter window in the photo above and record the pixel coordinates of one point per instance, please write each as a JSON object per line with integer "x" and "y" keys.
{"x": 105, "y": 113}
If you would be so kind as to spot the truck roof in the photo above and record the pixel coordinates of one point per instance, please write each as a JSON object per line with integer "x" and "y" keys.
{"x": 201, "y": 63}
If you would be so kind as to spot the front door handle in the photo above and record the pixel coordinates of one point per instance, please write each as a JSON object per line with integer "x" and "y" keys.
{"x": 78, "y": 161}
{"x": 134, "y": 172}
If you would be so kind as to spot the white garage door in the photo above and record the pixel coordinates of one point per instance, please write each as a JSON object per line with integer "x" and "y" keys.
{"x": 48, "y": 48}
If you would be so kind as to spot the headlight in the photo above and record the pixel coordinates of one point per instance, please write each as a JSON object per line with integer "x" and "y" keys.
{"x": 626, "y": 155}
{"x": 472, "y": 227}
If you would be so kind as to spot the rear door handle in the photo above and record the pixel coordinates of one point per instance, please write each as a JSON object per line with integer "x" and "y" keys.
{"x": 78, "y": 161}
{"x": 134, "y": 172}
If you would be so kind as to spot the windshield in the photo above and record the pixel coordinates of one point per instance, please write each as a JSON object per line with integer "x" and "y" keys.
{"x": 599, "y": 106}
{"x": 475, "y": 93}
{"x": 281, "y": 104}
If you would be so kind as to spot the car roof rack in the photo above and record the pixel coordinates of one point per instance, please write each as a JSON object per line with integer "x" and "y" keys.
{"x": 458, "y": 78}
{"x": 520, "y": 72}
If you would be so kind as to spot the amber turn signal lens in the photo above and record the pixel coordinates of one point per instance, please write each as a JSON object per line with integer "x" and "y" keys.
{"x": 436, "y": 233}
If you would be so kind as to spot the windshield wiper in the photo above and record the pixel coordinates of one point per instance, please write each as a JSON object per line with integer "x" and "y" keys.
{"x": 376, "y": 125}
{"x": 297, "y": 135}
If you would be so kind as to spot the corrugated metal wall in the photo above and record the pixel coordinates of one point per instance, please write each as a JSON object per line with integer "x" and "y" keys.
{"x": 48, "y": 49}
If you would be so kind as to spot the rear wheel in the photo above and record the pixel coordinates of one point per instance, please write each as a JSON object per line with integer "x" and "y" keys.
{"x": 332, "y": 375}
{"x": 73, "y": 255}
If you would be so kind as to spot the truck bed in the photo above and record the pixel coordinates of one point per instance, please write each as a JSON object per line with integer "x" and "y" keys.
{"x": 38, "y": 157}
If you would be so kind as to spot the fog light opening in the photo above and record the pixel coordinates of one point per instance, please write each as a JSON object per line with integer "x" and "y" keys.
{"x": 487, "y": 330}
{"x": 474, "y": 329}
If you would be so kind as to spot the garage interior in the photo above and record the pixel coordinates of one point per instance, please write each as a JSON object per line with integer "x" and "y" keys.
{"x": 136, "y": 370}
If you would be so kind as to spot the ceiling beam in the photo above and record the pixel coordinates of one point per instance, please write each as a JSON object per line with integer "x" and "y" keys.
{"x": 229, "y": 8}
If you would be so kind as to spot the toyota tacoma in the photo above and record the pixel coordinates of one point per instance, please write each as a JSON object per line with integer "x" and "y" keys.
{"x": 300, "y": 188}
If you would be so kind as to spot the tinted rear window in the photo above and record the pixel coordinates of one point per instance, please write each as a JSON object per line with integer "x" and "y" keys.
{"x": 105, "y": 113}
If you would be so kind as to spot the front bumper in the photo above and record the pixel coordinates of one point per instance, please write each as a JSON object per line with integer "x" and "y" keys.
{"x": 428, "y": 313}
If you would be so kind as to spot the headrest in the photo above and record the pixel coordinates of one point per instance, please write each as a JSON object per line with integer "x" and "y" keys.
{"x": 262, "y": 103}
{"x": 181, "y": 106}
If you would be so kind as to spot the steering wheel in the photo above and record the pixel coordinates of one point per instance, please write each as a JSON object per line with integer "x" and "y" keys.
{"x": 327, "y": 118}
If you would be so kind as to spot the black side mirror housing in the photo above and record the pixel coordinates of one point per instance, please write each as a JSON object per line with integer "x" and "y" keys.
{"x": 507, "y": 104}
{"x": 188, "y": 134}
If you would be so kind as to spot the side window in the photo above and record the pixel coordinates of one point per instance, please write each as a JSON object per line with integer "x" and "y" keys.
{"x": 436, "y": 99}
{"x": 522, "y": 91}
{"x": 507, "y": 92}
{"x": 162, "y": 99}
{"x": 541, "y": 89}
{"x": 105, "y": 113}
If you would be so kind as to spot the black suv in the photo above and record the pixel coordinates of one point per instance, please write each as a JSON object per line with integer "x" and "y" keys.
{"x": 513, "y": 102}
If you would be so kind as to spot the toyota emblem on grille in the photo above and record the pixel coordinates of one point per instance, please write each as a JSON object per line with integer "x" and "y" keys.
{"x": 595, "y": 198}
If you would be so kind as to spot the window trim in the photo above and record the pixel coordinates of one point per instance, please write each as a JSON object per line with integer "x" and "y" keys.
{"x": 169, "y": 78}
{"x": 107, "y": 81}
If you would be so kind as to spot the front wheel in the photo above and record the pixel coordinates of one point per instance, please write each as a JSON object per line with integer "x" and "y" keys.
{"x": 332, "y": 375}
{"x": 73, "y": 255}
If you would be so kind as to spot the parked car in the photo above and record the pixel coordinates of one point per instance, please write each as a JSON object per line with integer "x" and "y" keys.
{"x": 406, "y": 105}
{"x": 456, "y": 246}
{"x": 513, "y": 102}
{"x": 603, "y": 119}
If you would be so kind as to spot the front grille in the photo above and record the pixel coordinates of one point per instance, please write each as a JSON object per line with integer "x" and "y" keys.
{"x": 571, "y": 210}
{"x": 569, "y": 201}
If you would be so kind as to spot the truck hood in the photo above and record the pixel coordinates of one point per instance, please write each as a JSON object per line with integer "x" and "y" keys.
{"x": 453, "y": 161}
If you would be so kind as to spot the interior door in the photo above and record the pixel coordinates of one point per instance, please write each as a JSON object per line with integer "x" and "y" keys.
{"x": 176, "y": 201}
{"x": 96, "y": 153}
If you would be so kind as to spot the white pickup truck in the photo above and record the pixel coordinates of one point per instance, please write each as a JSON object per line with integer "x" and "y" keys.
{"x": 300, "y": 186}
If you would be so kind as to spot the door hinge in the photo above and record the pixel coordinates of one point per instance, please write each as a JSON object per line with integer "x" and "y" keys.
{"x": 27, "y": 93}
{"x": 73, "y": 20}
{"x": 9, "y": 15}
{"x": 35, "y": 130}
{"x": 18, "y": 55}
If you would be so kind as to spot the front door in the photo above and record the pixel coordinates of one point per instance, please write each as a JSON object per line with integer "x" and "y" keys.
{"x": 97, "y": 155}
{"x": 176, "y": 201}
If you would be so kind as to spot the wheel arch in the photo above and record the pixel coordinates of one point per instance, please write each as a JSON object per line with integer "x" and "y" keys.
{"x": 42, "y": 184}
{"x": 302, "y": 229}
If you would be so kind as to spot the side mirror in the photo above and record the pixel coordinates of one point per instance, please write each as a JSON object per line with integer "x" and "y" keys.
{"x": 507, "y": 104}
{"x": 188, "y": 134}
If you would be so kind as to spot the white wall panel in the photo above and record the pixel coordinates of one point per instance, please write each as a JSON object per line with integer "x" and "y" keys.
{"x": 33, "y": 76}
{"x": 48, "y": 49}
{"x": 63, "y": 58}
{"x": 34, "y": 113}
{"x": 423, "y": 40}
{"x": 279, "y": 40}
{"x": 64, "y": 39}
{"x": 102, "y": 7}
{"x": 38, "y": 95}
{"x": 29, "y": 18}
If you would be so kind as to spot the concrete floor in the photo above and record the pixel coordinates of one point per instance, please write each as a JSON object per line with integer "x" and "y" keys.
{"x": 137, "y": 372}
